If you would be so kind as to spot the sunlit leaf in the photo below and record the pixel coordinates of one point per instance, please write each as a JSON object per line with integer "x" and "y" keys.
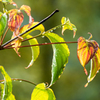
{"x": 68, "y": 25}
{"x": 16, "y": 43}
{"x": 26, "y": 27}
{"x": 95, "y": 66}
{"x": 3, "y": 22}
{"x": 41, "y": 92}
{"x": 35, "y": 49}
{"x": 60, "y": 56}
{"x": 7, "y": 87}
{"x": 9, "y": 1}
{"x": 15, "y": 19}
{"x": 86, "y": 50}
{"x": 27, "y": 10}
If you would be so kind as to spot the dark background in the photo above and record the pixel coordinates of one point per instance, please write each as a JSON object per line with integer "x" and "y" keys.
{"x": 85, "y": 14}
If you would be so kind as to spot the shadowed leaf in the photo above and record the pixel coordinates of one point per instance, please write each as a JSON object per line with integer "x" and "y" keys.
{"x": 35, "y": 49}
{"x": 3, "y": 22}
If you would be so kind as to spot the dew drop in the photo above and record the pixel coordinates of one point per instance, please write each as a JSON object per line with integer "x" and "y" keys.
{"x": 20, "y": 81}
{"x": 98, "y": 71}
{"x": 43, "y": 36}
{"x": 45, "y": 42}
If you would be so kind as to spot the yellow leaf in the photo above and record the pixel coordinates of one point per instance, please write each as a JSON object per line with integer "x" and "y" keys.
{"x": 42, "y": 93}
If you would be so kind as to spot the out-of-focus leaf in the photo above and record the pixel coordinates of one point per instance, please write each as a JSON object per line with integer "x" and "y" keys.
{"x": 3, "y": 22}
{"x": 26, "y": 27}
{"x": 41, "y": 92}
{"x": 60, "y": 56}
{"x": 95, "y": 66}
{"x": 27, "y": 10}
{"x": 7, "y": 87}
{"x": 68, "y": 25}
{"x": 6, "y": 1}
{"x": 35, "y": 49}
{"x": 1, "y": 89}
{"x": 10, "y": 97}
{"x": 15, "y": 19}
{"x": 86, "y": 49}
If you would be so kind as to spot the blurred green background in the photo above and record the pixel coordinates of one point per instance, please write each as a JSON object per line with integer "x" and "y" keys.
{"x": 85, "y": 14}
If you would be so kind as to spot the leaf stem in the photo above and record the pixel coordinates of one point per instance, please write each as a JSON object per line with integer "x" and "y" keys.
{"x": 20, "y": 80}
{"x": 29, "y": 29}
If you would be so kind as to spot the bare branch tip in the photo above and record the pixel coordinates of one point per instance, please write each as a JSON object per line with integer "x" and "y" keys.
{"x": 56, "y": 10}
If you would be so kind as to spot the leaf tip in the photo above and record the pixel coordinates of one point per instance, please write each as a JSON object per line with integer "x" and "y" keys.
{"x": 85, "y": 71}
{"x": 74, "y": 33}
{"x": 86, "y": 85}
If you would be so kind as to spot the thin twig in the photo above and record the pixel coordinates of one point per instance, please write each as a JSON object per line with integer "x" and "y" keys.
{"x": 4, "y": 35}
{"x": 41, "y": 44}
{"x": 30, "y": 28}
{"x": 20, "y": 80}
{"x": 32, "y": 37}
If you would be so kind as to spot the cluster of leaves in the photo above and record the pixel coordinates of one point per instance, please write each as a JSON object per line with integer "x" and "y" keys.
{"x": 87, "y": 49}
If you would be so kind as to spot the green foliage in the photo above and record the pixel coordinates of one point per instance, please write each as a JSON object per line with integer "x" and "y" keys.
{"x": 3, "y": 22}
{"x": 87, "y": 50}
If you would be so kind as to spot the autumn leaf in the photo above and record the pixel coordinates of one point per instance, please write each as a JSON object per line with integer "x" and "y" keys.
{"x": 15, "y": 19}
{"x": 27, "y": 10}
{"x": 95, "y": 66}
{"x": 86, "y": 50}
{"x": 15, "y": 44}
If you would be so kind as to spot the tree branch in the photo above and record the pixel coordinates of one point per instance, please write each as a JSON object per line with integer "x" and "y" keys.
{"x": 1, "y": 47}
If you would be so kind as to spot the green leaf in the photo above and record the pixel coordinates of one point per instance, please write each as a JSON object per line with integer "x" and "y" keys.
{"x": 1, "y": 89}
{"x": 35, "y": 49}
{"x": 7, "y": 87}
{"x": 68, "y": 25}
{"x": 3, "y": 22}
{"x": 42, "y": 93}
{"x": 60, "y": 56}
